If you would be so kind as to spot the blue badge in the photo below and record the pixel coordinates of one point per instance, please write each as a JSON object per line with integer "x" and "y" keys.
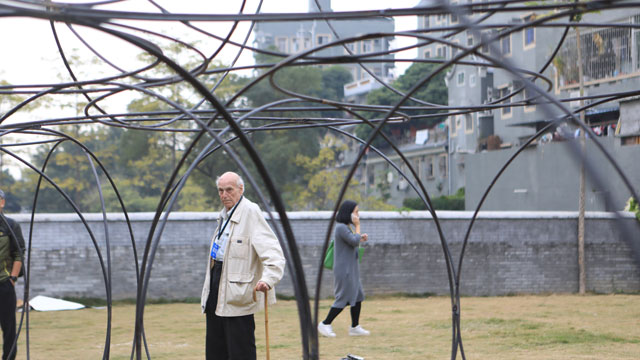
{"x": 214, "y": 250}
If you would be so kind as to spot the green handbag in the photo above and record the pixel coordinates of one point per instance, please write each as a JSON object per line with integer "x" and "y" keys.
{"x": 328, "y": 257}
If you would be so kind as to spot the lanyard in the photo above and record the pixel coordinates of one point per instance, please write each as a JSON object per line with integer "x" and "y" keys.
{"x": 228, "y": 218}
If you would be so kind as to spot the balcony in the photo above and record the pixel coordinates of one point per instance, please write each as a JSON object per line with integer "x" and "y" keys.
{"x": 607, "y": 55}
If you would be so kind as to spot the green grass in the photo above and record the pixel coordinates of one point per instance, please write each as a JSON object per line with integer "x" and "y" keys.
{"x": 554, "y": 327}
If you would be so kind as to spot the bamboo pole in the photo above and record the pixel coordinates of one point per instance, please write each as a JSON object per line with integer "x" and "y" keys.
{"x": 581, "y": 199}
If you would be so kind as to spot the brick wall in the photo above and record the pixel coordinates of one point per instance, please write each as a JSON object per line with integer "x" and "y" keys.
{"x": 508, "y": 252}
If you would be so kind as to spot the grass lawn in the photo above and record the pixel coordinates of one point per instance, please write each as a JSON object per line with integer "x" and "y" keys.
{"x": 515, "y": 327}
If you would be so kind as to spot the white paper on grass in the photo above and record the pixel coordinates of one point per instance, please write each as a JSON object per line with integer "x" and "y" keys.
{"x": 45, "y": 303}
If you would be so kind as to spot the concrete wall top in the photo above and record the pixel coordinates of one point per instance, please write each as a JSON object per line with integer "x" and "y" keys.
{"x": 325, "y": 215}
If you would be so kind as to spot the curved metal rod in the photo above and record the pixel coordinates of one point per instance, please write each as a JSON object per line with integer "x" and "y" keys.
{"x": 91, "y": 235}
{"x": 100, "y": 19}
{"x": 506, "y": 64}
{"x": 90, "y": 155}
{"x": 252, "y": 153}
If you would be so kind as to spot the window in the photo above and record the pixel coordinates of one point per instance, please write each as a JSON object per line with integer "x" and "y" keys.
{"x": 429, "y": 168}
{"x": 322, "y": 39}
{"x": 454, "y": 16}
{"x": 468, "y": 123}
{"x": 472, "y": 80}
{"x": 469, "y": 40}
{"x": 439, "y": 52}
{"x": 484, "y": 39}
{"x": 505, "y": 44}
{"x": 367, "y": 46}
{"x": 529, "y": 98}
{"x": 442, "y": 165}
{"x": 452, "y": 127}
{"x": 485, "y": 48}
{"x": 425, "y": 22}
{"x": 351, "y": 47}
{"x": 295, "y": 45}
{"x": 506, "y": 111}
{"x": 454, "y": 49}
{"x": 427, "y": 54}
{"x": 529, "y": 38}
{"x": 281, "y": 43}
{"x": 460, "y": 78}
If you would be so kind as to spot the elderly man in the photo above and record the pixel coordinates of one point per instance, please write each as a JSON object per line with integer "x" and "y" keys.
{"x": 11, "y": 258}
{"x": 245, "y": 256}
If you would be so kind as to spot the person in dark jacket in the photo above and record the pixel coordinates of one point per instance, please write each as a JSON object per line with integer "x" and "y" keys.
{"x": 347, "y": 287}
{"x": 11, "y": 259}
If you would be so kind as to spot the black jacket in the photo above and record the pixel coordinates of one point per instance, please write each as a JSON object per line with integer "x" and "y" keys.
{"x": 11, "y": 246}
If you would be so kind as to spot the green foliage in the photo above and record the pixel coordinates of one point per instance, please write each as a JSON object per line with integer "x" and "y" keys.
{"x": 322, "y": 183}
{"x": 8, "y": 101}
{"x": 448, "y": 203}
{"x": 141, "y": 162}
{"x": 70, "y": 169}
{"x": 279, "y": 148}
{"x": 11, "y": 191}
{"x": 414, "y": 204}
{"x": 633, "y": 206}
{"x": 453, "y": 202}
{"x": 434, "y": 91}
{"x": 333, "y": 80}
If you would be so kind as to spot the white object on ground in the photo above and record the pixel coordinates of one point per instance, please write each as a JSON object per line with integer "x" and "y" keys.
{"x": 45, "y": 303}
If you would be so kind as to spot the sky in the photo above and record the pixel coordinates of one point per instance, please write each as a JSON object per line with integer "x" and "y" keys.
{"x": 30, "y": 55}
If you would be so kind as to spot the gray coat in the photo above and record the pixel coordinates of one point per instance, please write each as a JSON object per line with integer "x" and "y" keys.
{"x": 347, "y": 287}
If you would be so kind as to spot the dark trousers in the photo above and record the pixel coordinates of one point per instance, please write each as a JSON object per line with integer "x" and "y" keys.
{"x": 228, "y": 338}
{"x": 8, "y": 319}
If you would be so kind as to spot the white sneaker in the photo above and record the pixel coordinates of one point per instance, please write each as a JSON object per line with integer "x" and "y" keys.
{"x": 358, "y": 331}
{"x": 326, "y": 330}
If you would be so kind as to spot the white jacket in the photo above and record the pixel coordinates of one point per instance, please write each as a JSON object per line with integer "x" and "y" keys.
{"x": 252, "y": 254}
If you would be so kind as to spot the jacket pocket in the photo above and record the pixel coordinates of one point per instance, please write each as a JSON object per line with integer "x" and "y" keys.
{"x": 239, "y": 247}
{"x": 240, "y": 289}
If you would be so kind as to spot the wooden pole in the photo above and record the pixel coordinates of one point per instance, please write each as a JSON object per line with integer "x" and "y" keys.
{"x": 582, "y": 279}
{"x": 266, "y": 319}
{"x": 266, "y": 322}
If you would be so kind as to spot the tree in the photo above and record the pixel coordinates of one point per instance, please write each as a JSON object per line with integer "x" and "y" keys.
{"x": 139, "y": 161}
{"x": 70, "y": 169}
{"x": 434, "y": 91}
{"x": 322, "y": 182}
{"x": 11, "y": 192}
{"x": 277, "y": 148}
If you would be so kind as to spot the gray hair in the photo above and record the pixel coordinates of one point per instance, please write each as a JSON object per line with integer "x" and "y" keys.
{"x": 2, "y": 194}
{"x": 240, "y": 182}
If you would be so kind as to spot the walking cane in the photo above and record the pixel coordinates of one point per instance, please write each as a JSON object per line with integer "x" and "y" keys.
{"x": 266, "y": 319}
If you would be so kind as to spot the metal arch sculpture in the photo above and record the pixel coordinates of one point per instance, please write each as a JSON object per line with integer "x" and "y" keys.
{"x": 95, "y": 15}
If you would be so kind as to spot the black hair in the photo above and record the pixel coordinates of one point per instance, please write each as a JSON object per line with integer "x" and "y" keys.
{"x": 344, "y": 213}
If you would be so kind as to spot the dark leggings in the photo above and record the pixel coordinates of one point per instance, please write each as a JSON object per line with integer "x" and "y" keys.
{"x": 355, "y": 314}
{"x": 8, "y": 319}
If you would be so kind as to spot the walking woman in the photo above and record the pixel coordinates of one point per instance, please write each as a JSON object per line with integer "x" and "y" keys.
{"x": 347, "y": 287}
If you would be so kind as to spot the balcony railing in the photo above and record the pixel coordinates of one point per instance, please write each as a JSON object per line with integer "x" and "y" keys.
{"x": 607, "y": 54}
